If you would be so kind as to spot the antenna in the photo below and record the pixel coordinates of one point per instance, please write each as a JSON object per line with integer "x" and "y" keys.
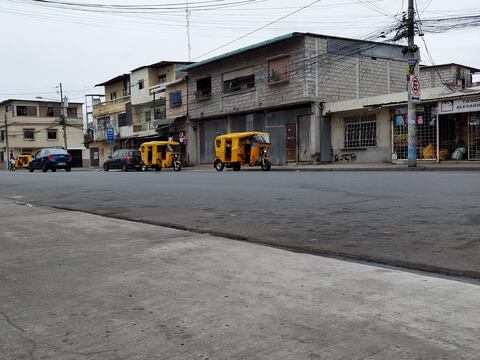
{"x": 189, "y": 47}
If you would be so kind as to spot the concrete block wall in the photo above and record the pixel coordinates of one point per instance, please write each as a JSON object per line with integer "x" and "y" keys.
{"x": 262, "y": 96}
{"x": 435, "y": 77}
{"x": 334, "y": 77}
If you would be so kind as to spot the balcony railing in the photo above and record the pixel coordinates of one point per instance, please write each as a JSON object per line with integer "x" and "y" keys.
{"x": 108, "y": 107}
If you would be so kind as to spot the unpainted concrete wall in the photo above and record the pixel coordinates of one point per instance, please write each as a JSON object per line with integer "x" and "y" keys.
{"x": 380, "y": 153}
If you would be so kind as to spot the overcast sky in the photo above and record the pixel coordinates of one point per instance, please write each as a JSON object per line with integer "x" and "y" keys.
{"x": 43, "y": 46}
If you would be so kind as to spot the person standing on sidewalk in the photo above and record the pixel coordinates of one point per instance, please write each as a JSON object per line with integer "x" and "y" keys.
{"x": 12, "y": 164}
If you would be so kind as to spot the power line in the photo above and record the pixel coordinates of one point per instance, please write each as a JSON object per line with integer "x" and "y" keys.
{"x": 258, "y": 29}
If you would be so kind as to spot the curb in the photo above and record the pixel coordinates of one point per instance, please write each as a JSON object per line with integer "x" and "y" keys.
{"x": 368, "y": 259}
{"x": 346, "y": 169}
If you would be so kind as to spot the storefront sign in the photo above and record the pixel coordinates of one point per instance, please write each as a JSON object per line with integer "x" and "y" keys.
{"x": 459, "y": 106}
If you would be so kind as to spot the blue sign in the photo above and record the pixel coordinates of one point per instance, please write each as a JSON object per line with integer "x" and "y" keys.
{"x": 110, "y": 134}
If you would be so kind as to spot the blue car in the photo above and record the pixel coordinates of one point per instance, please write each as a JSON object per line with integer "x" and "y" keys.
{"x": 51, "y": 159}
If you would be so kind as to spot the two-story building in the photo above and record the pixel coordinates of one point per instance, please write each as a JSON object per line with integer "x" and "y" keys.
{"x": 149, "y": 84}
{"x": 115, "y": 112}
{"x": 280, "y": 86}
{"x": 27, "y": 126}
{"x": 135, "y": 107}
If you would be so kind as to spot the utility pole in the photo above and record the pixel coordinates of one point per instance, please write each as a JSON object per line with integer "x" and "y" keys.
{"x": 63, "y": 118}
{"x": 413, "y": 85}
{"x": 7, "y": 147}
{"x": 187, "y": 11}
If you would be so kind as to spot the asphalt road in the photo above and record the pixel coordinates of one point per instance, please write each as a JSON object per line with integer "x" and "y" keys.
{"x": 421, "y": 220}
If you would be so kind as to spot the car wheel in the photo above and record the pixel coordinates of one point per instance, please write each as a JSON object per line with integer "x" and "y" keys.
{"x": 54, "y": 169}
{"x": 219, "y": 165}
{"x": 44, "y": 167}
{"x": 266, "y": 165}
{"x": 124, "y": 167}
{"x": 30, "y": 168}
{"x": 144, "y": 167}
{"x": 236, "y": 167}
{"x": 177, "y": 166}
{"x": 105, "y": 167}
{"x": 68, "y": 169}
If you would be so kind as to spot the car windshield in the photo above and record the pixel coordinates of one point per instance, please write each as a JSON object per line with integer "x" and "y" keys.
{"x": 58, "y": 152}
{"x": 262, "y": 138}
{"x": 136, "y": 153}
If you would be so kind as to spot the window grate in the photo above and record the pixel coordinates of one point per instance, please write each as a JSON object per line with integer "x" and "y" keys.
{"x": 426, "y": 133}
{"x": 360, "y": 131}
{"x": 474, "y": 141}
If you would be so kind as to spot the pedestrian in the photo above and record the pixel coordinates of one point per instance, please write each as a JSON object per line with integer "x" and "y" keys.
{"x": 12, "y": 163}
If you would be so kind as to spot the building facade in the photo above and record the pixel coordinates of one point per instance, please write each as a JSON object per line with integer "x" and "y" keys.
{"x": 375, "y": 129}
{"x": 135, "y": 107}
{"x": 280, "y": 86}
{"x": 27, "y": 126}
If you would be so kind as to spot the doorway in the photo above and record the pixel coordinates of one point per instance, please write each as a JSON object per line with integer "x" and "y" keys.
{"x": 453, "y": 135}
{"x": 474, "y": 139}
{"x": 291, "y": 142}
{"x": 94, "y": 157}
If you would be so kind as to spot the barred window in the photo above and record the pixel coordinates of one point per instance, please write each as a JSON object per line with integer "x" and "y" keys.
{"x": 29, "y": 134}
{"x": 360, "y": 131}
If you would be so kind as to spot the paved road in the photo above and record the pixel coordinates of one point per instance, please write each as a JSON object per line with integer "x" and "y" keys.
{"x": 420, "y": 220}
{"x": 124, "y": 290}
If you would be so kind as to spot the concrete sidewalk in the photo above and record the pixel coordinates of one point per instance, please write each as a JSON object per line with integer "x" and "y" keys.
{"x": 80, "y": 286}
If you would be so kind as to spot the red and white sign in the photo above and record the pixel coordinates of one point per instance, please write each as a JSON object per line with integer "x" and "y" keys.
{"x": 415, "y": 88}
{"x": 415, "y": 85}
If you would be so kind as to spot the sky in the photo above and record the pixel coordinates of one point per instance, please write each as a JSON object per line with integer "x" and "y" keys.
{"x": 44, "y": 46}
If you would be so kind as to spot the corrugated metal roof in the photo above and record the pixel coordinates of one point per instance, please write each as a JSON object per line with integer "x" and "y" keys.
{"x": 161, "y": 64}
{"x": 472, "y": 69}
{"x": 114, "y": 80}
{"x": 272, "y": 41}
{"x": 395, "y": 99}
{"x": 236, "y": 52}
{"x": 43, "y": 101}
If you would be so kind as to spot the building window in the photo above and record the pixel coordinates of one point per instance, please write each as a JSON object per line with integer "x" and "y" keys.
{"x": 204, "y": 88}
{"x": 242, "y": 83}
{"x": 279, "y": 69}
{"x": 72, "y": 112}
{"x": 360, "y": 131}
{"x": 53, "y": 111}
{"x": 239, "y": 79}
{"x": 141, "y": 84}
{"x": 29, "y": 134}
{"x": 122, "y": 120}
{"x": 2, "y": 135}
{"x": 126, "y": 87}
{"x": 160, "y": 114}
{"x": 113, "y": 95}
{"x": 21, "y": 111}
{"x": 8, "y": 108}
{"x": 162, "y": 78}
{"x": 26, "y": 110}
{"x": 148, "y": 115}
{"x": 103, "y": 122}
{"x": 175, "y": 98}
{"x": 52, "y": 134}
